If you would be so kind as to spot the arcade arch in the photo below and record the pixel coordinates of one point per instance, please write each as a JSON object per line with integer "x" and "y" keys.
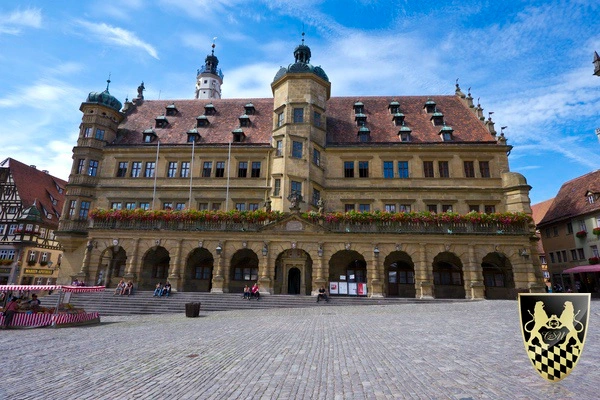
{"x": 399, "y": 275}
{"x": 155, "y": 268}
{"x": 448, "y": 282}
{"x": 498, "y": 277}
{"x": 197, "y": 276}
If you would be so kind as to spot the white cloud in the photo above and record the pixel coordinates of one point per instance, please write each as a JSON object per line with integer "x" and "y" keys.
{"x": 118, "y": 36}
{"x": 13, "y": 23}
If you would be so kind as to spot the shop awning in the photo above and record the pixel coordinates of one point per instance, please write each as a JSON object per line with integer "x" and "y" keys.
{"x": 582, "y": 268}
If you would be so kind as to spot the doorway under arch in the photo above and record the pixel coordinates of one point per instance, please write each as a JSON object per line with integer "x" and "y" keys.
{"x": 197, "y": 276}
{"x": 400, "y": 275}
{"x": 448, "y": 282}
{"x": 244, "y": 270}
{"x": 294, "y": 281}
{"x": 293, "y": 273}
{"x": 498, "y": 277}
{"x": 155, "y": 268}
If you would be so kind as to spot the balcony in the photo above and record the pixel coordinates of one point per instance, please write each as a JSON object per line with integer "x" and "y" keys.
{"x": 83, "y": 180}
{"x": 73, "y": 226}
{"x": 388, "y": 227}
{"x": 91, "y": 142}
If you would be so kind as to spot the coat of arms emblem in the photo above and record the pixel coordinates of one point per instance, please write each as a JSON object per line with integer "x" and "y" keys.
{"x": 554, "y": 328}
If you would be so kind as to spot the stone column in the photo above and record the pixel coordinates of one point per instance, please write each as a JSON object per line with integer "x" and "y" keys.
{"x": 82, "y": 275}
{"x": 424, "y": 278}
{"x": 474, "y": 286}
{"x": 175, "y": 275}
{"x": 320, "y": 279}
{"x": 132, "y": 261}
{"x": 264, "y": 278}
{"x": 217, "y": 281}
{"x": 376, "y": 283}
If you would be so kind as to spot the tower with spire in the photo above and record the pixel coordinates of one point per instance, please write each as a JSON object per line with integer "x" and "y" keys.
{"x": 209, "y": 78}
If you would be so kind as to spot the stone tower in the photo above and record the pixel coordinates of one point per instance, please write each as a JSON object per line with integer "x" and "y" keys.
{"x": 300, "y": 92}
{"x": 209, "y": 78}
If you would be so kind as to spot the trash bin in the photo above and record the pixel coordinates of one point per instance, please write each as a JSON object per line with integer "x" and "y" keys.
{"x": 192, "y": 310}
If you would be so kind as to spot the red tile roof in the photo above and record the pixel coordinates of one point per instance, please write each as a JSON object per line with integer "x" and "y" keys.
{"x": 341, "y": 124}
{"x": 539, "y": 210}
{"x": 37, "y": 186}
{"x": 571, "y": 200}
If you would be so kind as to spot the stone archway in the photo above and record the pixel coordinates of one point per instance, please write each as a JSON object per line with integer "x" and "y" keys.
{"x": 347, "y": 267}
{"x": 292, "y": 265}
{"x": 197, "y": 276}
{"x": 448, "y": 282}
{"x": 244, "y": 270}
{"x": 111, "y": 267}
{"x": 498, "y": 277}
{"x": 155, "y": 268}
{"x": 399, "y": 275}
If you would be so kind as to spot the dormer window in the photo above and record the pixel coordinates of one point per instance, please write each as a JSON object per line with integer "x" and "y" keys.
{"x": 171, "y": 109}
{"x": 58, "y": 188}
{"x": 446, "y": 133}
{"x": 359, "y": 108}
{"x": 591, "y": 196}
{"x": 244, "y": 120}
{"x": 161, "y": 121}
{"x": 361, "y": 119}
{"x": 394, "y": 107}
{"x": 398, "y": 119}
{"x": 250, "y": 110}
{"x": 437, "y": 118}
{"x": 202, "y": 121}
{"x": 193, "y": 135}
{"x": 429, "y": 106}
{"x": 209, "y": 109}
{"x": 149, "y": 135}
{"x": 238, "y": 135}
{"x": 404, "y": 134}
{"x": 364, "y": 134}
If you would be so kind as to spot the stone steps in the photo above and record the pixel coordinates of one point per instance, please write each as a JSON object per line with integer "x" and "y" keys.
{"x": 143, "y": 302}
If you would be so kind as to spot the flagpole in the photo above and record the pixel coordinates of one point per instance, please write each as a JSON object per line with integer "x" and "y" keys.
{"x": 155, "y": 174}
{"x": 191, "y": 173}
{"x": 228, "y": 168}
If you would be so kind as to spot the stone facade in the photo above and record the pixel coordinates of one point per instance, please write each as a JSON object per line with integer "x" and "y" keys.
{"x": 300, "y": 152}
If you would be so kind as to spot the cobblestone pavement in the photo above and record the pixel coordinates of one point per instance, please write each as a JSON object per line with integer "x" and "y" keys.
{"x": 471, "y": 350}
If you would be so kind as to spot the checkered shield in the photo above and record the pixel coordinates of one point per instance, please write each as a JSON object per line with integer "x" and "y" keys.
{"x": 554, "y": 327}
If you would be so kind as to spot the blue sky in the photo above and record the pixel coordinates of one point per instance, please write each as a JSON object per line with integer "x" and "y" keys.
{"x": 530, "y": 62}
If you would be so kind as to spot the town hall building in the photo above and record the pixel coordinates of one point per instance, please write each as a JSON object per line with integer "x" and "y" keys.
{"x": 399, "y": 196}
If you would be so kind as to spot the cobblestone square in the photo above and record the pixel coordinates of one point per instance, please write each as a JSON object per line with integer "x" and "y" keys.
{"x": 436, "y": 350}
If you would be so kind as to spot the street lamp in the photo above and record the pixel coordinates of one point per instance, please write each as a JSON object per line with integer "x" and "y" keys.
{"x": 219, "y": 249}
{"x": 265, "y": 250}
{"x": 376, "y": 251}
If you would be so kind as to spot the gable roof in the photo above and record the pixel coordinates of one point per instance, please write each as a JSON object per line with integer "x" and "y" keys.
{"x": 539, "y": 210}
{"x": 39, "y": 187}
{"x": 342, "y": 128}
{"x": 571, "y": 200}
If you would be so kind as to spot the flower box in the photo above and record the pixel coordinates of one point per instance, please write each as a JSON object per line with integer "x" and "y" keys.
{"x": 31, "y": 263}
{"x": 581, "y": 234}
{"x": 6, "y": 262}
{"x": 596, "y": 231}
{"x": 594, "y": 260}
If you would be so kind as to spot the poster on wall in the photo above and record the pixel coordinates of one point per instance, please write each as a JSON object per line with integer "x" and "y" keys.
{"x": 342, "y": 277}
{"x": 343, "y": 288}
{"x": 352, "y": 288}
{"x": 333, "y": 288}
{"x": 362, "y": 289}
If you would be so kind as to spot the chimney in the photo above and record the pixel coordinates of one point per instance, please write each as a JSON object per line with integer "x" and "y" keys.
{"x": 45, "y": 171}
{"x": 33, "y": 166}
